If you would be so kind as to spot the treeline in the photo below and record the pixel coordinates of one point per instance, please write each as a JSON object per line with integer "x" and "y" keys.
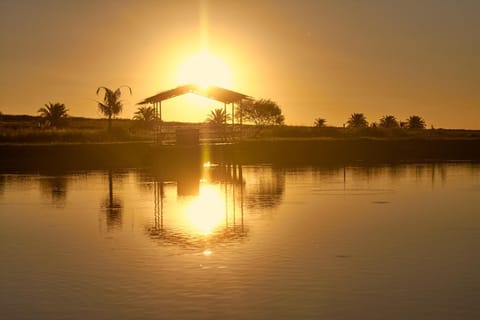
{"x": 261, "y": 118}
{"x": 261, "y": 113}
{"x": 359, "y": 120}
{"x": 18, "y": 128}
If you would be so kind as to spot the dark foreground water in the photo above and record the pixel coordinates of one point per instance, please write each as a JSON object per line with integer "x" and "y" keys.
{"x": 251, "y": 242}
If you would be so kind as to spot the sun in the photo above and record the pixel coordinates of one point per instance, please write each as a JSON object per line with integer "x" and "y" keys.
{"x": 205, "y": 69}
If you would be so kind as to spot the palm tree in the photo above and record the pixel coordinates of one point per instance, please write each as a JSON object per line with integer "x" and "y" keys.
{"x": 54, "y": 114}
{"x": 145, "y": 114}
{"x": 320, "y": 123}
{"x": 111, "y": 105}
{"x": 217, "y": 117}
{"x": 357, "y": 120}
{"x": 389, "y": 121}
{"x": 416, "y": 122}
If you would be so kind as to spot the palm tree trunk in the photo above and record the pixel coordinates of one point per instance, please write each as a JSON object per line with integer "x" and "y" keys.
{"x": 109, "y": 124}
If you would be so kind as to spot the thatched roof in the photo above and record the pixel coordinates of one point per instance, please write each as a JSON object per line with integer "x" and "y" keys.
{"x": 212, "y": 92}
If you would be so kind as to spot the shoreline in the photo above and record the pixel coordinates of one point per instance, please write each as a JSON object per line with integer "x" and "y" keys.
{"x": 274, "y": 151}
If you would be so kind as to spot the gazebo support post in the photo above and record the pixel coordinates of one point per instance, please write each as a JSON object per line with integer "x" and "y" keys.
{"x": 157, "y": 107}
{"x": 155, "y": 122}
{"x": 233, "y": 120}
{"x": 241, "y": 118}
{"x": 160, "y": 124}
{"x": 225, "y": 124}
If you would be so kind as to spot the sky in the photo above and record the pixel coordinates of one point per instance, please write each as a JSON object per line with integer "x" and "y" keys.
{"x": 324, "y": 59}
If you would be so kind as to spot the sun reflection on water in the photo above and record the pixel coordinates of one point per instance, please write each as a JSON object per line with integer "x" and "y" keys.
{"x": 206, "y": 212}
{"x": 211, "y": 215}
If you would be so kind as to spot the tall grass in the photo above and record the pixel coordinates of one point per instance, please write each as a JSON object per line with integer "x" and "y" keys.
{"x": 30, "y": 135}
{"x": 27, "y": 129}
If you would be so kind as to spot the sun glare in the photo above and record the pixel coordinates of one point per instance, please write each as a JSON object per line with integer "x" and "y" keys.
{"x": 206, "y": 212}
{"x": 205, "y": 69}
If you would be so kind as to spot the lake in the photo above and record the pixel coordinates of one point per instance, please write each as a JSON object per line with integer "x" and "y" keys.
{"x": 242, "y": 242}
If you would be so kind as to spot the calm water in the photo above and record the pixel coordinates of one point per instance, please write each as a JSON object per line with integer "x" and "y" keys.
{"x": 256, "y": 242}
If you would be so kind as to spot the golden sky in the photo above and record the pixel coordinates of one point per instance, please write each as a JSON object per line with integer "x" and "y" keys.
{"x": 314, "y": 58}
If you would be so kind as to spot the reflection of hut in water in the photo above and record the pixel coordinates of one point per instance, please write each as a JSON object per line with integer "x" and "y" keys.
{"x": 233, "y": 229}
{"x": 228, "y": 174}
{"x": 188, "y": 187}
{"x": 267, "y": 191}
{"x": 186, "y": 174}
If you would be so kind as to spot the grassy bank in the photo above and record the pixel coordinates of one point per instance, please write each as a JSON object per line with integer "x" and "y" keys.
{"x": 28, "y": 129}
{"x": 304, "y": 151}
{"x": 283, "y": 151}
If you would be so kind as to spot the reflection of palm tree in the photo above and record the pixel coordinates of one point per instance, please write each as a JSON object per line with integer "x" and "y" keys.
{"x": 111, "y": 104}
{"x": 54, "y": 114}
{"x": 112, "y": 205}
{"x": 357, "y": 120}
{"x": 56, "y": 187}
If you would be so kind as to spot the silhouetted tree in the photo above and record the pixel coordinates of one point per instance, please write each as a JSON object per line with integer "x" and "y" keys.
{"x": 241, "y": 107}
{"x": 320, "y": 123}
{"x": 357, "y": 120}
{"x": 263, "y": 112}
{"x": 217, "y": 117}
{"x": 389, "y": 121}
{"x": 415, "y": 122}
{"x": 54, "y": 114}
{"x": 111, "y": 105}
{"x": 145, "y": 114}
